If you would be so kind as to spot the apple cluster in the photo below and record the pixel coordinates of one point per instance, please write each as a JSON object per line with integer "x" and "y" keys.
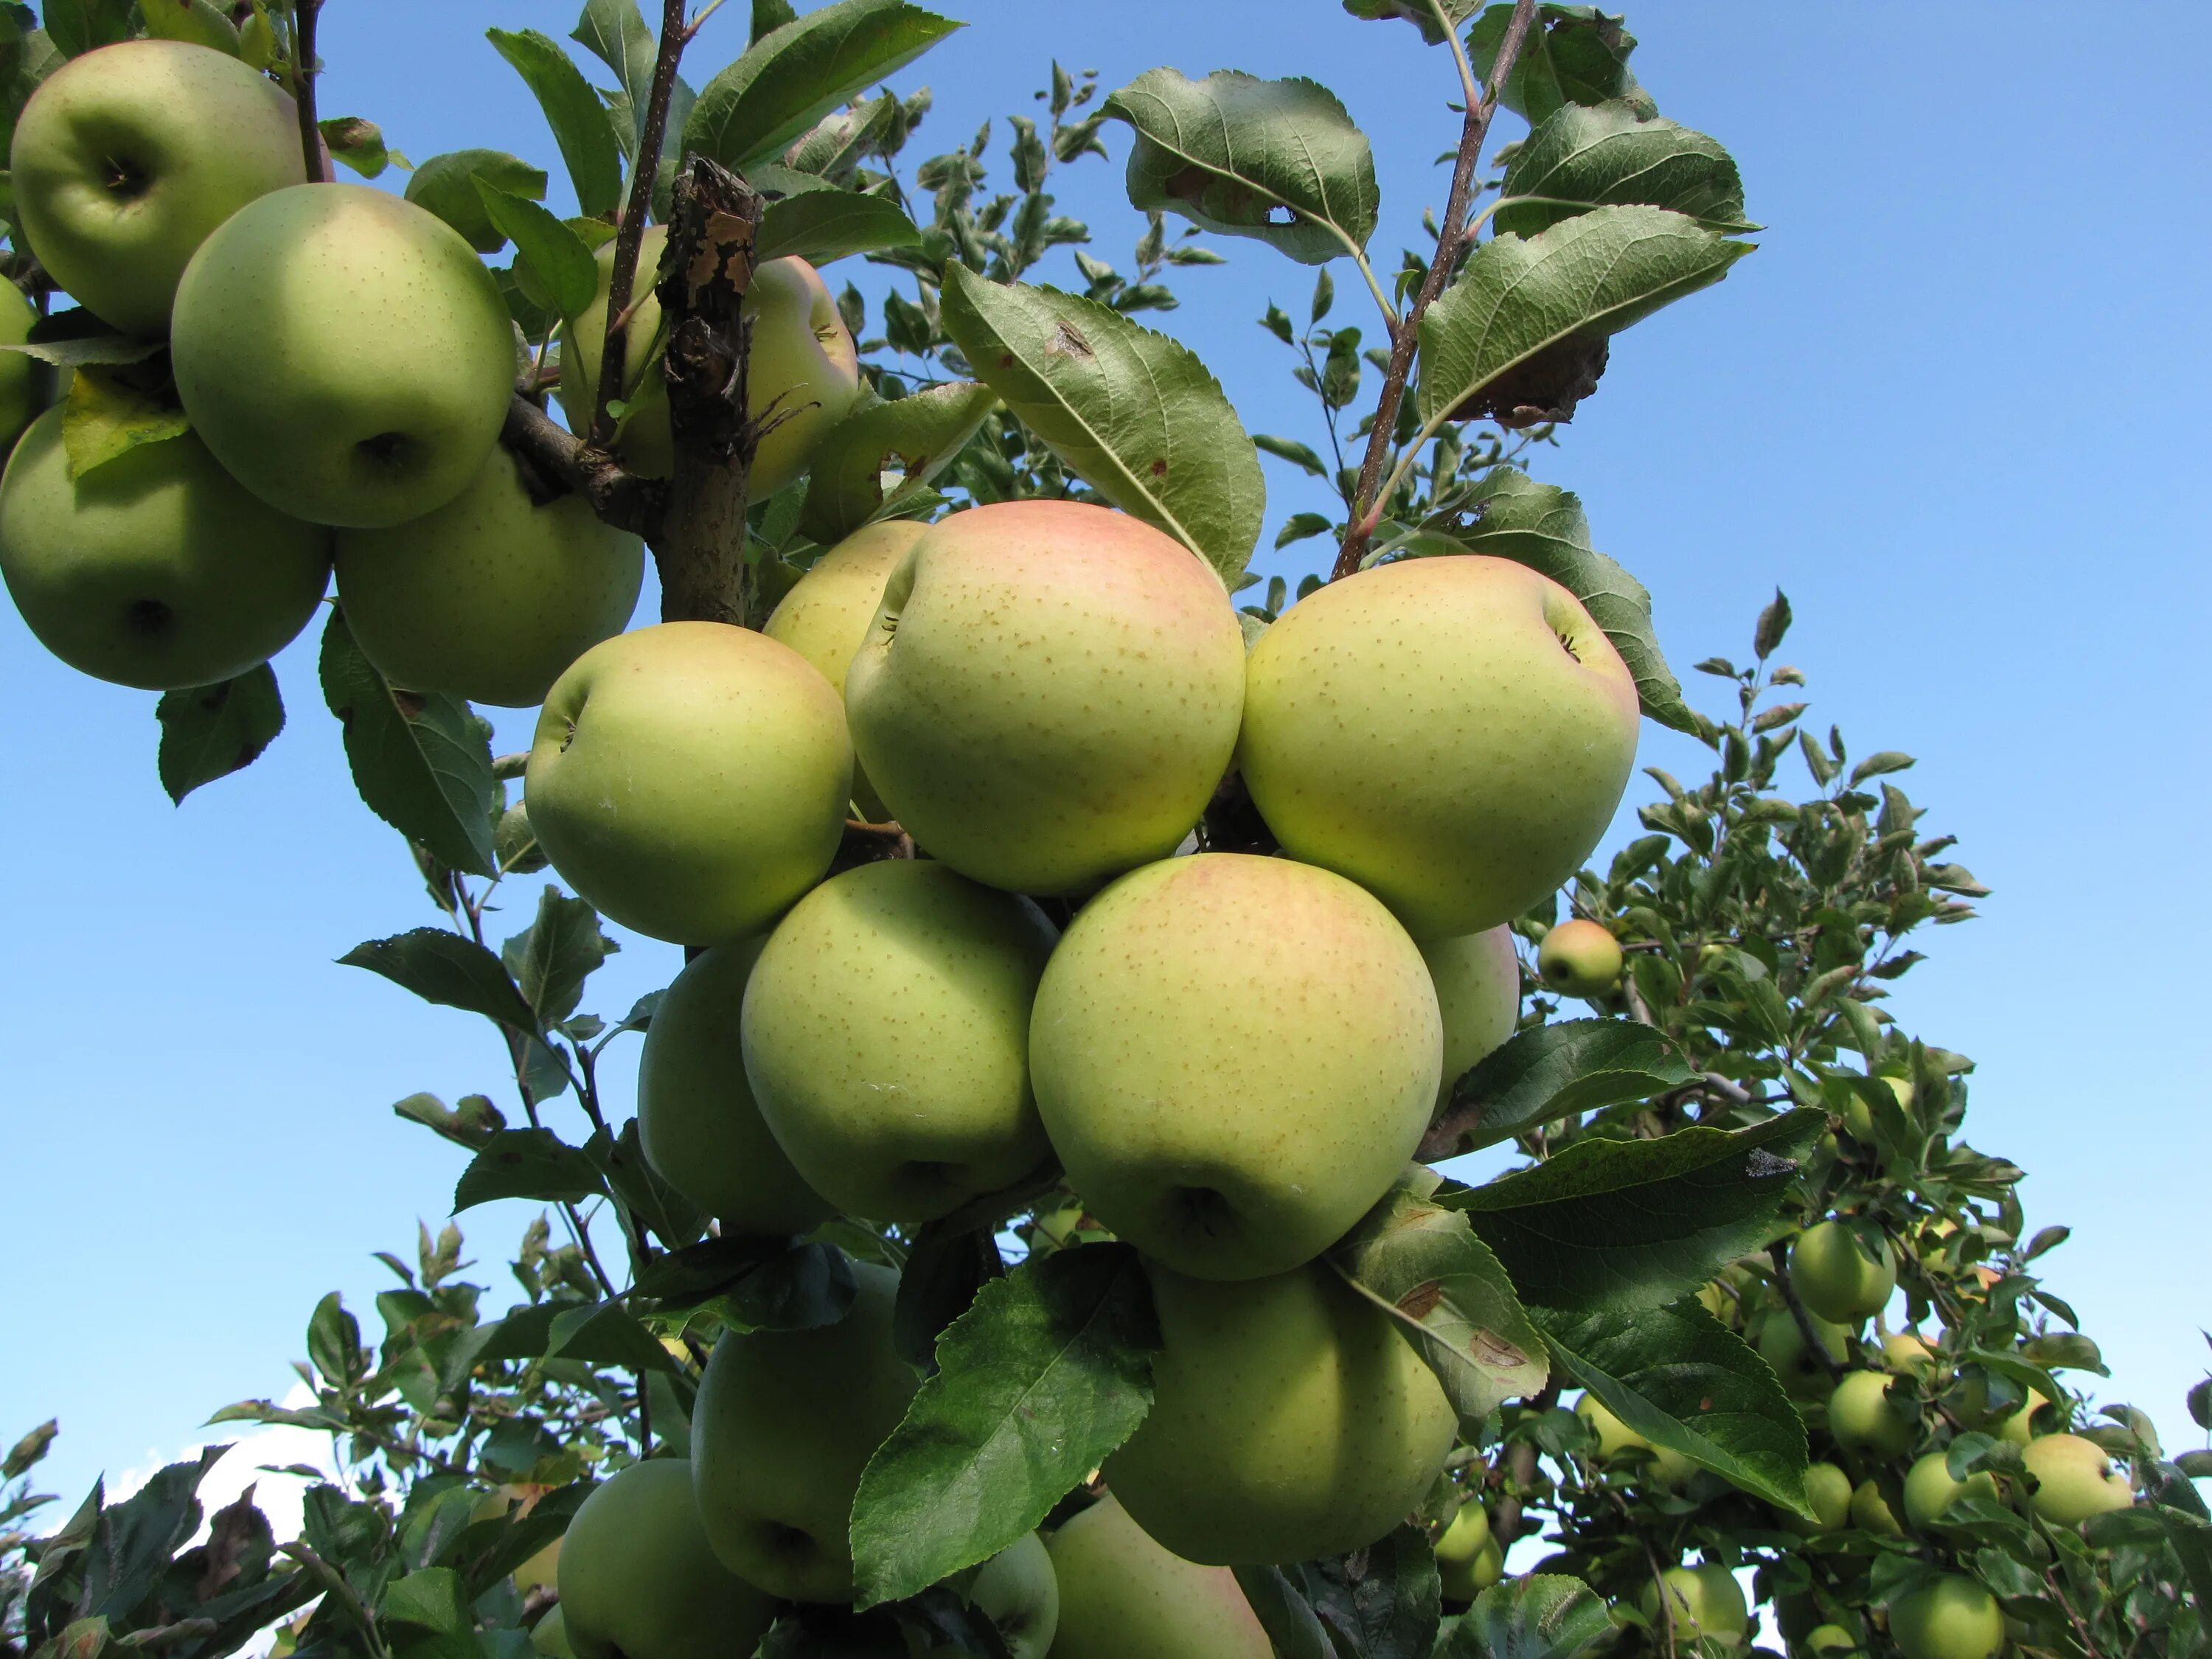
{"x": 346, "y": 362}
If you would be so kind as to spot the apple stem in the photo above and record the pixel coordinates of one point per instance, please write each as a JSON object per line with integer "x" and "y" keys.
{"x": 645, "y": 172}
{"x": 1451, "y": 235}
{"x": 303, "y": 84}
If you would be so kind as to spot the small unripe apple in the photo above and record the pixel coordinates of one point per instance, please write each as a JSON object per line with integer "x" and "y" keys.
{"x": 24, "y": 380}
{"x": 550, "y": 1634}
{"x": 2073, "y": 1478}
{"x": 1668, "y": 1466}
{"x": 700, "y": 1128}
{"x": 155, "y": 570}
{"x": 1863, "y": 1417}
{"x": 1234, "y": 1137}
{"x": 1580, "y": 958}
{"x": 1019, "y": 1592}
{"x": 1121, "y": 1595}
{"x": 1949, "y": 1617}
{"x": 1871, "y": 1511}
{"x": 886, "y": 1035}
{"x": 1048, "y": 695}
{"x": 1703, "y": 1603}
{"x": 126, "y": 158}
{"x": 1830, "y": 1638}
{"x": 691, "y": 778}
{"x": 1465, "y": 1553}
{"x": 1930, "y": 1489}
{"x": 1909, "y": 1355}
{"x": 637, "y": 1580}
{"x": 1837, "y": 1277}
{"x": 1478, "y": 981}
{"x": 1828, "y": 1495}
{"x": 1782, "y": 1345}
{"x": 1452, "y": 733}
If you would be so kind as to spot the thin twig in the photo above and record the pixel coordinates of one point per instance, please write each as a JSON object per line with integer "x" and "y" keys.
{"x": 1367, "y": 511}
{"x": 303, "y": 84}
{"x": 333, "y": 1582}
{"x": 1779, "y": 1254}
{"x": 645, "y": 172}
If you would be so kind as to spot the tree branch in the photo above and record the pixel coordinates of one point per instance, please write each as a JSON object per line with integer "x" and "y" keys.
{"x": 1451, "y": 233}
{"x": 645, "y": 173}
{"x": 303, "y": 84}
{"x": 622, "y": 499}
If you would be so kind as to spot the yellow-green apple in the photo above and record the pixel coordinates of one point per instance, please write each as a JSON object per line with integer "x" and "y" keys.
{"x": 1478, "y": 981}
{"x": 491, "y": 596}
{"x": 886, "y": 1037}
{"x": 1872, "y": 1511}
{"x": 690, "y": 779}
{"x": 1930, "y": 1489}
{"x": 638, "y": 1581}
{"x": 1452, "y": 733}
{"x": 543, "y": 1567}
{"x": 1670, "y": 1468}
{"x": 1122, "y": 1597}
{"x": 1234, "y": 1136}
{"x": 1908, "y": 1354}
{"x": 1703, "y": 1603}
{"x": 826, "y": 616}
{"x": 2018, "y": 1426}
{"x": 804, "y": 367}
{"x": 1863, "y": 1417}
{"x": 1970, "y": 1402}
{"x": 702, "y": 1129}
{"x": 1048, "y": 695}
{"x": 550, "y": 1634}
{"x": 345, "y": 353}
{"x": 1837, "y": 1276}
{"x": 1464, "y": 1552}
{"x": 1019, "y": 1592}
{"x": 155, "y": 569}
{"x": 1830, "y": 1638}
{"x": 1828, "y": 1495}
{"x": 784, "y": 1422}
{"x": 2072, "y": 1478}
{"x": 1783, "y": 1347}
{"x": 24, "y": 380}
{"x": 1948, "y": 1617}
{"x": 1290, "y": 1420}
{"x": 1580, "y": 958}
{"x": 126, "y": 158}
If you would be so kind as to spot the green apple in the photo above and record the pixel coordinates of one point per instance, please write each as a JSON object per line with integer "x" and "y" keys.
{"x": 156, "y": 569}
{"x": 784, "y": 1422}
{"x": 126, "y": 158}
{"x": 1703, "y": 1603}
{"x": 1122, "y": 1597}
{"x": 1452, "y": 733}
{"x": 26, "y": 383}
{"x": 490, "y": 597}
{"x": 1782, "y": 1345}
{"x": 1971, "y": 1404}
{"x": 803, "y": 366}
{"x": 1466, "y": 1553}
{"x": 1863, "y": 1419}
{"x": 638, "y": 1581}
{"x": 1019, "y": 1592}
{"x": 550, "y": 1634}
{"x": 1871, "y": 1511}
{"x": 700, "y": 1128}
{"x": 1828, "y": 1494}
{"x": 1837, "y": 1276}
{"x": 827, "y": 615}
{"x": 1830, "y": 1638}
{"x": 690, "y": 779}
{"x": 1234, "y": 1136}
{"x": 1580, "y": 958}
{"x": 1290, "y": 1420}
{"x": 1930, "y": 1490}
{"x": 1908, "y": 1354}
{"x": 2073, "y": 1478}
{"x": 1669, "y": 1467}
{"x": 1948, "y": 1617}
{"x": 345, "y": 353}
{"x": 886, "y": 1035}
{"x": 1478, "y": 981}
{"x": 1049, "y": 693}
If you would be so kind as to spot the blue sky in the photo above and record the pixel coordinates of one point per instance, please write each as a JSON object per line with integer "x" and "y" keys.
{"x": 1954, "y": 407}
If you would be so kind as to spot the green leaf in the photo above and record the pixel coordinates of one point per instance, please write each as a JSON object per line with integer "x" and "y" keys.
{"x": 1575, "y": 284}
{"x": 1539, "y": 1076}
{"x": 1575, "y": 55}
{"x": 670, "y": 1216}
{"x": 1049, "y": 1371}
{"x": 212, "y": 731}
{"x": 421, "y": 763}
{"x": 552, "y": 957}
{"x": 356, "y": 142}
{"x": 556, "y": 256}
{"x": 1290, "y": 450}
{"x": 1587, "y": 157}
{"x": 603, "y": 1333}
{"x": 1614, "y": 1225}
{"x": 2191, "y": 1539}
{"x": 796, "y": 73}
{"x": 76, "y": 352}
{"x": 573, "y": 110}
{"x": 76, "y": 26}
{"x": 822, "y": 225}
{"x": 1294, "y": 1630}
{"x": 444, "y": 968}
{"x": 1384, "y": 1600}
{"x": 199, "y": 22}
{"x": 334, "y": 1341}
{"x": 1277, "y": 160}
{"x": 616, "y": 33}
{"x": 1543, "y": 1616}
{"x": 1132, "y": 413}
{"x": 1683, "y": 1380}
{"x": 1423, "y": 1264}
{"x": 917, "y": 436}
{"x": 111, "y": 410}
{"x": 446, "y": 186}
{"x": 533, "y": 1164}
{"x": 431, "y": 1599}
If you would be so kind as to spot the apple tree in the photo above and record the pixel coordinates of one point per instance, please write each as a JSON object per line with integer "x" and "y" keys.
{"x": 1028, "y": 1239}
